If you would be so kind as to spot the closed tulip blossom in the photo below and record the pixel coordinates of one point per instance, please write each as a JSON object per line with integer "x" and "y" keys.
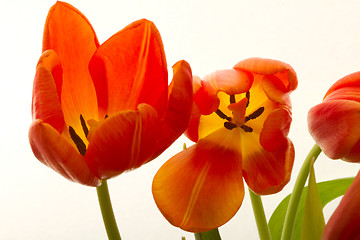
{"x": 240, "y": 122}
{"x": 335, "y": 123}
{"x": 100, "y": 110}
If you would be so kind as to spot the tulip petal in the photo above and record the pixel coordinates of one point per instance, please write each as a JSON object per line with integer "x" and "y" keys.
{"x": 263, "y": 66}
{"x": 123, "y": 141}
{"x": 53, "y": 150}
{"x": 229, "y": 81}
{"x": 179, "y": 107}
{"x": 130, "y": 68}
{"x": 335, "y": 126}
{"x": 266, "y": 172}
{"x": 201, "y": 188}
{"x": 70, "y": 35}
{"x": 349, "y": 81}
{"x": 344, "y": 222}
{"x": 47, "y": 90}
{"x": 275, "y": 129}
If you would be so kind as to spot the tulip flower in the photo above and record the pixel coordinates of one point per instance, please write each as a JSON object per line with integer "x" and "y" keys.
{"x": 240, "y": 122}
{"x": 345, "y": 221}
{"x": 335, "y": 123}
{"x": 100, "y": 110}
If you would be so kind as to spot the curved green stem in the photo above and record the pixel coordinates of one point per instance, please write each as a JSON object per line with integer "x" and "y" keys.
{"x": 296, "y": 194}
{"x": 107, "y": 211}
{"x": 260, "y": 218}
{"x": 210, "y": 235}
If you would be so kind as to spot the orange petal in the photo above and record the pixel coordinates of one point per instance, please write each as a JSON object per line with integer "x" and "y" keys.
{"x": 53, "y": 150}
{"x": 229, "y": 81}
{"x": 201, "y": 188}
{"x": 130, "y": 68}
{"x": 275, "y": 129}
{"x": 123, "y": 141}
{"x": 70, "y": 35}
{"x": 263, "y": 66}
{"x": 47, "y": 90}
{"x": 179, "y": 107}
{"x": 350, "y": 81}
{"x": 345, "y": 221}
{"x": 335, "y": 127}
{"x": 192, "y": 132}
{"x": 266, "y": 172}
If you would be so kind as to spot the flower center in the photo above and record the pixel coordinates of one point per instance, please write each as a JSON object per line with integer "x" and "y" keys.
{"x": 80, "y": 145}
{"x": 234, "y": 122}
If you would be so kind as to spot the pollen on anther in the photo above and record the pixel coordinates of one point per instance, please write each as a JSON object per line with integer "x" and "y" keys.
{"x": 229, "y": 125}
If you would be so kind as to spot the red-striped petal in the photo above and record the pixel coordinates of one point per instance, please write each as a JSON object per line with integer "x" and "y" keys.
{"x": 53, "y": 150}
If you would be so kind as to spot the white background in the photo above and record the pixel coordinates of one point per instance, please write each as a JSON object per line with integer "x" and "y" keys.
{"x": 320, "y": 39}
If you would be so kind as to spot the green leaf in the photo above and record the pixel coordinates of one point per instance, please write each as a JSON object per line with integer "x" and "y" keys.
{"x": 328, "y": 191}
{"x": 313, "y": 218}
{"x": 210, "y": 235}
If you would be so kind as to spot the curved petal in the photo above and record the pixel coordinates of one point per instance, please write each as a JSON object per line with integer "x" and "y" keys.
{"x": 177, "y": 115}
{"x": 335, "y": 126}
{"x": 266, "y": 172}
{"x": 344, "y": 222}
{"x": 47, "y": 90}
{"x": 201, "y": 188}
{"x": 349, "y": 81}
{"x": 53, "y": 150}
{"x": 70, "y": 35}
{"x": 263, "y": 66}
{"x": 229, "y": 81}
{"x": 275, "y": 129}
{"x": 123, "y": 141}
{"x": 130, "y": 68}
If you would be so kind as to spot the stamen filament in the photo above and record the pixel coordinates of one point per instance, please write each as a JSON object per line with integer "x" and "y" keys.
{"x": 78, "y": 141}
{"x": 222, "y": 115}
{"x": 83, "y": 124}
{"x": 255, "y": 114}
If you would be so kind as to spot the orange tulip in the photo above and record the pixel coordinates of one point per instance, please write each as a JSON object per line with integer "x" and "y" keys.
{"x": 345, "y": 221}
{"x": 99, "y": 110}
{"x": 240, "y": 122}
{"x": 335, "y": 123}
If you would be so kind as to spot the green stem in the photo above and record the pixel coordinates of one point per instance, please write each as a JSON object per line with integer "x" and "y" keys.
{"x": 210, "y": 235}
{"x": 260, "y": 218}
{"x": 296, "y": 194}
{"x": 107, "y": 211}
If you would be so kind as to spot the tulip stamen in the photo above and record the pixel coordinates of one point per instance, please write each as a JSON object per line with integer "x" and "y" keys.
{"x": 255, "y": 114}
{"x": 232, "y": 99}
{"x": 78, "y": 141}
{"x": 248, "y": 99}
{"x": 229, "y": 125}
{"x": 223, "y": 115}
{"x": 83, "y": 124}
{"x": 246, "y": 128}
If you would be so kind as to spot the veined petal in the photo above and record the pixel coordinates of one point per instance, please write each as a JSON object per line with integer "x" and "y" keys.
{"x": 229, "y": 81}
{"x": 266, "y": 172}
{"x": 275, "y": 129}
{"x": 130, "y": 68}
{"x": 53, "y": 150}
{"x": 335, "y": 126}
{"x": 344, "y": 222}
{"x": 47, "y": 90}
{"x": 349, "y": 81}
{"x": 70, "y": 35}
{"x": 201, "y": 188}
{"x": 177, "y": 115}
{"x": 123, "y": 141}
{"x": 263, "y": 66}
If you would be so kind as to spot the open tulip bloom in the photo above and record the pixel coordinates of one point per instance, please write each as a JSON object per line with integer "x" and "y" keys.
{"x": 240, "y": 122}
{"x": 100, "y": 110}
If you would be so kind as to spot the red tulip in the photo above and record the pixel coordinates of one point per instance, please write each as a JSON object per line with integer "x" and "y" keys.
{"x": 100, "y": 110}
{"x": 240, "y": 122}
{"x": 335, "y": 123}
